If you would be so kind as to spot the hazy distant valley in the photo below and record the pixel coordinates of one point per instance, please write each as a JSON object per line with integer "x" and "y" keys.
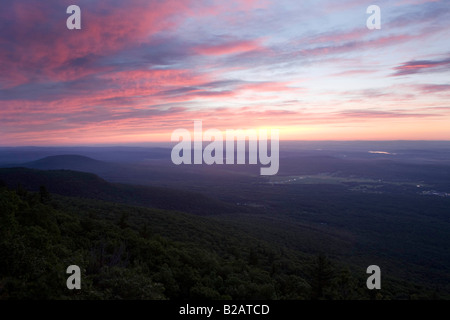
{"x": 358, "y": 203}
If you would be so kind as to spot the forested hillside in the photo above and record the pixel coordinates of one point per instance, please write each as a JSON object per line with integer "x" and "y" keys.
{"x": 90, "y": 186}
{"x": 139, "y": 253}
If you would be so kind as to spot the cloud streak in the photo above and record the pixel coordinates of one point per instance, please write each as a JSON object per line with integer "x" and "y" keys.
{"x": 139, "y": 69}
{"x": 422, "y": 66}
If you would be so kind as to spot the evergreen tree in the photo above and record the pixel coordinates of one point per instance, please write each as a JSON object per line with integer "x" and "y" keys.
{"x": 321, "y": 274}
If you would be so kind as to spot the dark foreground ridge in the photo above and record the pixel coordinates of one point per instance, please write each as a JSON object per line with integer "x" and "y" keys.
{"x": 88, "y": 185}
{"x": 137, "y": 253}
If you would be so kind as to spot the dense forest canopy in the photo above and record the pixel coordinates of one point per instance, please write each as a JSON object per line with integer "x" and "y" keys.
{"x": 128, "y": 252}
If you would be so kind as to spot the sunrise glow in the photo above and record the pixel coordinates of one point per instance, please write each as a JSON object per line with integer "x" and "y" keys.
{"x": 138, "y": 70}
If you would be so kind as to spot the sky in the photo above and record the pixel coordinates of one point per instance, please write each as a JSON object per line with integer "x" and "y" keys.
{"x": 139, "y": 69}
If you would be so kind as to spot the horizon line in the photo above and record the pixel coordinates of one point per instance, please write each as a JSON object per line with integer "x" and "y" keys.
{"x": 143, "y": 144}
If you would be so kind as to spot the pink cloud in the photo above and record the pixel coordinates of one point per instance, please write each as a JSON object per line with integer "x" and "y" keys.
{"x": 268, "y": 87}
{"x": 353, "y": 73}
{"x": 339, "y": 37}
{"x": 38, "y": 41}
{"x": 376, "y": 114}
{"x": 142, "y": 124}
{"x": 232, "y": 47}
{"x": 360, "y": 45}
{"x": 434, "y": 88}
{"x": 418, "y": 66}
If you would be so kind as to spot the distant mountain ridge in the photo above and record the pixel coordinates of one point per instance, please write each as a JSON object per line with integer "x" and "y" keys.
{"x": 88, "y": 185}
{"x": 69, "y": 161}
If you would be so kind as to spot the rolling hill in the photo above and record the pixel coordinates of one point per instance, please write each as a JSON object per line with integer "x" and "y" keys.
{"x": 90, "y": 186}
{"x": 68, "y": 162}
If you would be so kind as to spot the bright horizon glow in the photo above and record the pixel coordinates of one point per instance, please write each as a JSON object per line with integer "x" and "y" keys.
{"x": 138, "y": 70}
{"x": 169, "y": 144}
